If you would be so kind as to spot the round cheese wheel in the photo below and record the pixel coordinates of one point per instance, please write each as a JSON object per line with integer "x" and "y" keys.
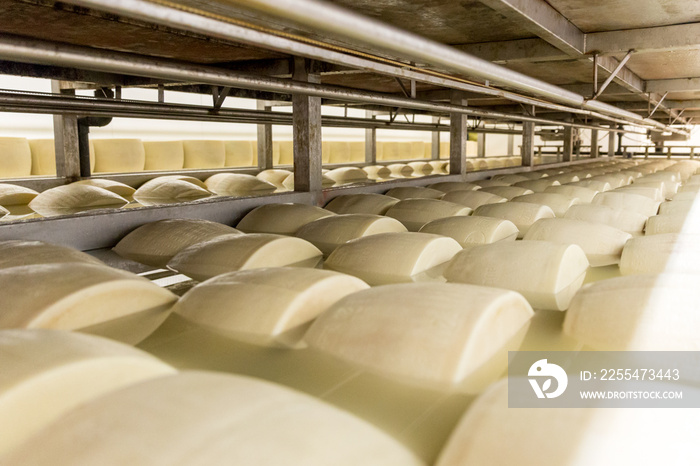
{"x": 472, "y": 199}
{"x": 13, "y": 195}
{"x": 630, "y": 222}
{"x": 421, "y": 168}
{"x": 74, "y": 198}
{"x": 347, "y": 175}
{"x": 376, "y": 172}
{"x": 357, "y": 151}
{"x": 509, "y": 192}
{"x": 164, "y": 155}
{"x": 339, "y": 152}
{"x": 414, "y": 192}
{"x": 511, "y": 178}
{"x": 204, "y": 154}
{"x": 673, "y": 223}
{"x": 119, "y": 155}
{"x": 662, "y": 253}
{"x": 414, "y": 213}
{"x": 584, "y": 195}
{"x": 43, "y": 157}
{"x": 538, "y": 186}
{"x": 168, "y": 190}
{"x": 559, "y": 203}
{"x": 15, "y": 158}
{"x": 678, "y": 207}
{"x": 472, "y": 231}
{"x": 400, "y": 170}
{"x": 281, "y": 219}
{"x": 237, "y": 184}
{"x": 240, "y": 153}
{"x": 120, "y": 189}
{"x": 449, "y": 186}
{"x": 16, "y": 253}
{"x": 492, "y": 182}
{"x": 364, "y": 203}
{"x": 275, "y": 176}
{"x": 522, "y": 214}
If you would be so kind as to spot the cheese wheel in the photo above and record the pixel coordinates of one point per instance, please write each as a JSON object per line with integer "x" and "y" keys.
{"x": 678, "y": 207}
{"x": 275, "y": 176}
{"x": 12, "y": 195}
{"x": 74, "y": 198}
{"x": 533, "y": 175}
{"x": 472, "y": 231}
{"x": 204, "y": 154}
{"x": 547, "y": 274}
{"x": 15, "y": 158}
{"x": 538, "y": 186}
{"x": 43, "y": 157}
{"x": 492, "y": 182}
{"x": 559, "y": 203}
{"x": 189, "y": 179}
{"x": 156, "y": 243}
{"x": 119, "y": 155}
{"x": 495, "y": 162}
{"x": 400, "y": 170}
{"x": 628, "y": 221}
{"x": 210, "y": 418}
{"x": 480, "y": 164}
{"x": 240, "y": 153}
{"x": 16, "y": 253}
{"x": 421, "y": 168}
{"x": 668, "y": 252}
{"x": 281, "y": 219}
{"x": 394, "y": 257}
{"x": 357, "y": 151}
{"x": 347, "y": 175}
{"x": 473, "y": 199}
{"x": 330, "y": 232}
{"x": 569, "y": 436}
{"x": 522, "y": 214}
{"x": 164, "y": 155}
{"x": 365, "y": 203}
{"x": 564, "y": 178}
{"x": 637, "y": 313}
{"x": 265, "y": 307}
{"x": 414, "y": 213}
{"x": 414, "y": 192}
{"x": 286, "y": 152}
{"x": 584, "y": 195}
{"x": 288, "y": 183}
{"x": 434, "y": 334}
{"x": 229, "y": 253}
{"x": 672, "y": 223}
{"x": 449, "y": 186}
{"x": 439, "y": 166}
{"x": 687, "y": 192}
{"x": 630, "y": 202}
{"x": 46, "y": 373}
{"x": 511, "y": 179}
{"x": 655, "y": 194}
{"x": 667, "y": 188}
{"x": 167, "y": 190}
{"x": 509, "y": 192}
{"x": 377, "y": 172}
{"x": 602, "y": 243}
{"x": 120, "y": 189}
{"x": 667, "y": 176}
{"x": 238, "y": 184}
{"x": 591, "y": 183}
{"x": 80, "y": 296}
{"x": 616, "y": 180}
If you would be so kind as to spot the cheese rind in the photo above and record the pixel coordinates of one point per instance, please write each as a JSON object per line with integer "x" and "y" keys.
{"x": 119, "y": 155}
{"x": 164, "y": 155}
{"x": 281, "y": 219}
{"x": 630, "y": 202}
{"x": 204, "y": 154}
{"x": 449, "y": 186}
{"x": 584, "y": 195}
{"x": 237, "y": 184}
{"x": 120, "y": 189}
{"x": 16, "y": 253}
{"x": 376, "y": 172}
{"x": 229, "y": 253}
{"x": 522, "y": 214}
{"x": 347, "y": 175}
{"x": 672, "y": 223}
{"x": 630, "y": 222}
{"x": 240, "y": 153}
{"x": 12, "y": 195}
{"x": 365, "y": 203}
{"x": 165, "y": 190}
{"x": 509, "y": 192}
{"x": 73, "y": 198}
{"x": 266, "y": 307}
{"x": 156, "y": 243}
{"x": 547, "y": 274}
{"x": 473, "y": 199}
{"x": 414, "y": 213}
{"x": 472, "y": 231}
{"x": 662, "y": 253}
{"x": 559, "y": 203}
{"x": 275, "y": 176}
{"x": 432, "y": 334}
{"x": 414, "y": 192}
{"x": 44, "y": 157}
{"x": 16, "y": 158}
{"x": 394, "y": 257}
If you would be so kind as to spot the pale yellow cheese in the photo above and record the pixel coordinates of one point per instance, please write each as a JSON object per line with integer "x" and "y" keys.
{"x": 492, "y": 182}
{"x": 204, "y": 154}
{"x": 275, "y": 176}
{"x": 533, "y": 175}
{"x": 522, "y": 214}
{"x": 12, "y": 195}
{"x": 449, "y": 186}
{"x": 166, "y": 190}
{"x": 421, "y": 168}
{"x": 585, "y": 195}
{"x": 473, "y": 199}
{"x": 625, "y": 220}
{"x": 630, "y": 202}
{"x": 120, "y": 189}
{"x": 376, "y": 172}
{"x": 602, "y": 243}
{"x": 672, "y": 223}
{"x": 662, "y": 253}
{"x": 156, "y": 243}
{"x": 414, "y": 213}
{"x": 281, "y": 219}
{"x": 288, "y": 182}
{"x": 240, "y": 153}
{"x": 46, "y": 373}
{"x": 394, "y": 257}
{"x": 73, "y": 198}
{"x": 400, "y": 170}
{"x": 637, "y": 313}
{"x": 347, "y": 175}
{"x": 472, "y": 231}
{"x": 591, "y": 183}
{"x": 43, "y": 157}
{"x": 509, "y": 192}
{"x": 364, "y": 203}
{"x": 229, "y": 253}
{"x": 357, "y": 151}
{"x": 651, "y": 192}
{"x": 3, "y": 212}
{"x": 564, "y": 178}
{"x": 559, "y": 203}
{"x": 547, "y": 274}
{"x": 616, "y": 180}
{"x": 119, "y": 155}
{"x": 679, "y": 207}
{"x": 538, "y": 186}
{"x": 15, "y": 253}
{"x": 439, "y": 166}
{"x": 511, "y": 179}
{"x": 328, "y": 233}
{"x": 200, "y": 418}
{"x": 164, "y": 155}
{"x": 414, "y": 192}
{"x": 433, "y": 334}
{"x": 79, "y": 296}
{"x": 15, "y": 158}
{"x": 238, "y": 184}
{"x": 286, "y": 152}
{"x": 265, "y": 307}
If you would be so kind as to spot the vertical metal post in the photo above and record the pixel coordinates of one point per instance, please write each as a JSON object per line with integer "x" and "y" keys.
{"x": 458, "y": 137}
{"x": 511, "y": 145}
{"x": 528, "y": 147}
{"x": 370, "y": 141}
{"x": 66, "y": 140}
{"x": 595, "y": 153}
{"x": 307, "y": 132}
{"x": 435, "y": 142}
{"x": 481, "y": 145}
{"x": 568, "y": 143}
{"x": 611, "y": 141}
{"x": 265, "y": 161}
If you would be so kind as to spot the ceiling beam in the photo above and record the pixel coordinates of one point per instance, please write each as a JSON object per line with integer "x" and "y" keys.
{"x": 673, "y": 85}
{"x": 538, "y": 17}
{"x": 514, "y": 51}
{"x": 655, "y": 39}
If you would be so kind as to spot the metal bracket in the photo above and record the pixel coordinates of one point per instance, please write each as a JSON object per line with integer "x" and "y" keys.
{"x": 219, "y": 96}
{"x": 657, "y": 104}
{"x": 405, "y": 91}
{"x": 612, "y": 75}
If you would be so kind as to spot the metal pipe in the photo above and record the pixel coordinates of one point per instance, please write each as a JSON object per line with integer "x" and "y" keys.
{"x": 340, "y": 22}
{"x": 48, "y": 53}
